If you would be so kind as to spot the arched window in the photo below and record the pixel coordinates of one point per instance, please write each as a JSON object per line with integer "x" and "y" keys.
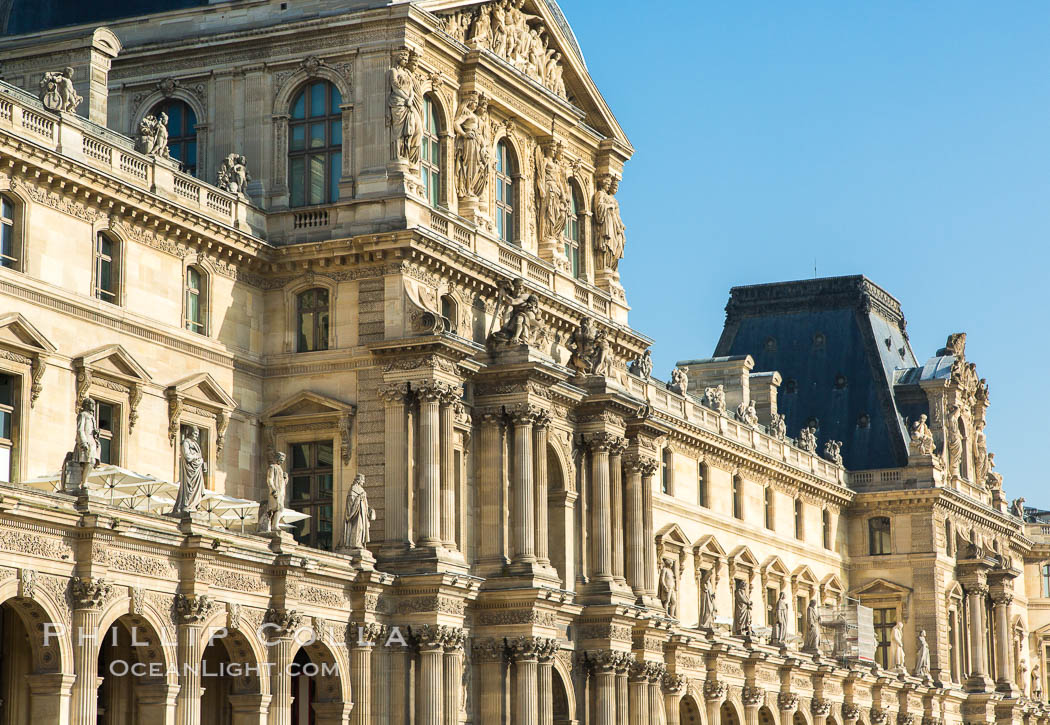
{"x": 107, "y": 268}
{"x": 448, "y": 311}
{"x": 312, "y": 320}
{"x": 315, "y": 145}
{"x": 196, "y": 300}
{"x": 506, "y": 170}
{"x": 879, "y": 535}
{"x": 572, "y": 232}
{"x": 10, "y": 233}
{"x": 182, "y": 132}
{"x": 431, "y": 155}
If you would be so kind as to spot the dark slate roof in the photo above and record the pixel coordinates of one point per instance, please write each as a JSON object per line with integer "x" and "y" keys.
{"x": 840, "y": 345}
{"x": 31, "y": 16}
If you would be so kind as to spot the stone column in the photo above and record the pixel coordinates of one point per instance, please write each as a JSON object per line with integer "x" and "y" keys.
{"x": 648, "y": 538}
{"x": 49, "y": 697}
{"x": 491, "y": 546}
{"x": 282, "y": 650}
{"x": 524, "y": 653}
{"x": 635, "y": 531}
{"x": 397, "y": 708}
{"x": 546, "y": 681}
{"x": 539, "y": 452}
{"x": 714, "y": 693}
{"x": 248, "y": 709}
{"x": 453, "y": 673}
{"x": 448, "y": 473}
{"x": 655, "y": 671}
{"x": 524, "y": 553}
{"x": 429, "y": 395}
{"x": 672, "y": 686}
{"x": 752, "y": 698}
{"x": 623, "y": 668}
{"x": 639, "y": 699}
{"x": 601, "y": 533}
{"x": 975, "y": 595}
{"x": 191, "y": 612}
{"x": 332, "y": 712}
{"x": 616, "y": 505}
{"x": 395, "y": 464}
{"x": 1004, "y": 669}
{"x": 603, "y": 671}
{"x": 820, "y": 710}
{"x": 85, "y": 638}
{"x": 787, "y": 703}
{"x": 430, "y": 703}
{"x": 364, "y": 640}
{"x": 382, "y": 674}
{"x": 850, "y": 714}
{"x": 488, "y": 655}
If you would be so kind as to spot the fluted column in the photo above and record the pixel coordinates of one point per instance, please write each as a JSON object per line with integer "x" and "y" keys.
{"x": 634, "y": 525}
{"x": 525, "y": 493}
{"x": 429, "y": 395}
{"x": 601, "y": 532}
{"x": 524, "y": 653}
{"x": 191, "y": 611}
{"x": 975, "y": 596}
{"x": 649, "y": 542}
{"x": 395, "y": 464}
{"x": 539, "y": 452}
{"x": 714, "y": 693}
{"x": 430, "y": 704}
{"x": 672, "y": 686}
{"x": 603, "y": 665}
{"x": 281, "y": 626}
{"x": 85, "y": 637}
{"x": 1004, "y": 668}
{"x": 453, "y": 673}
{"x": 787, "y": 703}
{"x": 623, "y": 669}
{"x": 655, "y": 672}
{"x": 546, "y": 681}
{"x": 491, "y": 546}
{"x": 639, "y": 696}
{"x": 365, "y": 636}
{"x": 616, "y": 504}
{"x": 820, "y": 709}
{"x": 752, "y": 697}
{"x": 449, "y": 398}
{"x": 382, "y": 672}
{"x": 488, "y": 654}
{"x": 399, "y": 656}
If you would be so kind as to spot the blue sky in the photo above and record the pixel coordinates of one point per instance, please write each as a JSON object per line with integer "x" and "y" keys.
{"x": 906, "y": 141}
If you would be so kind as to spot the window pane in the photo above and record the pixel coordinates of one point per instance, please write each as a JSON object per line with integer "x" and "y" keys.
{"x": 315, "y": 183}
{"x": 5, "y": 464}
{"x": 324, "y": 455}
{"x": 300, "y": 487}
{"x": 5, "y": 424}
{"x": 105, "y": 450}
{"x": 318, "y": 107}
{"x": 6, "y": 210}
{"x": 321, "y": 295}
{"x": 106, "y": 245}
{"x": 193, "y": 311}
{"x": 193, "y": 278}
{"x": 296, "y": 180}
{"x": 317, "y": 136}
{"x": 324, "y": 484}
{"x": 337, "y": 99}
{"x": 298, "y": 141}
{"x": 174, "y": 111}
{"x": 335, "y": 169}
{"x": 306, "y": 332}
{"x": 105, "y": 276}
{"x": 7, "y": 238}
{"x": 7, "y": 390}
{"x": 300, "y": 456}
{"x": 335, "y": 133}
{"x": 299, "y": 107}
{"x": 105, "y": 417}
{"x": 190, "y": 159}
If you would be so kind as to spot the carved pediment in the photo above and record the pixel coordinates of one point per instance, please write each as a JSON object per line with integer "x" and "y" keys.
{"x": 832, "y": 586}
{"x": 804, "y": 576}
{"x": 113, "y": 361}
{"x": 202, "y": 389}
{"x": 774, "y": 567}
{"x": 708, "y": 545}
{"x": 19, "y": 335}
{"x": 885, "y": 591}
{"x": 313, "y": 410}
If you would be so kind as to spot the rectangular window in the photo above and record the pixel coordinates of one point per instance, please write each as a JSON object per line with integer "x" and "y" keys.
{"x": 738, "y": 509}
{"x": 311, "y": 492}
{"x": 701, "y": 484}
{"x": 668, "y": 472}
{"x": 800, "y": 614}
{"x": 769, "y": 507}
{"x": 8, "y": 253}
{"x": 884, "y": 621}
{"x": 107, "y": 417}
{"x": 771, "y": 605}
{"x": 826, "y": 527}
{"x": 953, "y": 655}
{"x": 106, "y": 266}
{"x": 1046, "y": 581}
{"x": 879, "y": 536}
{"x": 8, "y": 411}
{"x": 798, "y": 519}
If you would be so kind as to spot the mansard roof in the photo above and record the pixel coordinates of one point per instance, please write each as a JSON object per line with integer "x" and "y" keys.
{"x": 32, "y": 16}
{"x": 839, "y": 344}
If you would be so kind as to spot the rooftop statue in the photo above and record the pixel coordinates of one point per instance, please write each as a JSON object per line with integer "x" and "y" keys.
{"x": 609, "y": 230}
{"x": 807, "y": 439}
{"x": 679, "y": 381}
{"x": 153, "y": 136}
{"x": 405, "y": 107}
{"x": 358, "y": 517}
{"x": 833, "y": 451}
{"x": 643, "y": 366}
{"x": 520, "y": 312}
{"x": 233, "y": 174}
{"x": 472, "y": 151}
{"x": 57, "y": 92}
{"x": 921, "y": 437}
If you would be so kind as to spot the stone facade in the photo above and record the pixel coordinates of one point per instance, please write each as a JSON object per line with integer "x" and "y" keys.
{"x": 558, "y": 536}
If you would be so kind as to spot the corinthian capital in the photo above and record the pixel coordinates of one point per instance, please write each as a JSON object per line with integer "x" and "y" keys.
{"x": 1003, "y": 597}
{"x": 192, "y": 609}
{"x": 672, "y": 684}
{"x": 787, "y": 701}
{"x": 820, "y": 708}
{"x": 525, "y": 414}
{"x": 602, "y": 441}
{"x": 393, "y": 393}
{"x": 88, "y": 593}
{"x": 752, "y": 696}
{"x": 715, "y": 690}
{"x": 430, "y": 391}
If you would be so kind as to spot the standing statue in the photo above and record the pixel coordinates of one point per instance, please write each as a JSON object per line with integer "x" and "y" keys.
{"x": 86, "y": 448}
{"x": 707, "y": 601}
{"x": 404, "y": 104}
{"x": 520, "y": 316}
{"x": 1022, "y": 677}
{"x": 472, "y": 152}
{"x": 609, "y": 230}
{"x": 276, "y": 485}
{"x": 591, "y": 350}
{"x": 679, "y": 381}
{"x": 898, "y": 647}
{"x": 553, "y": 197}
{"x": 955, "y": 444}
{"x": 747, "y": 413}
{"x": 921, "y": 437}
{"x": 778, "y": 426}
{"x": 669, "y": 589}
{"x": 358, "y": 515}
{"x": 1017, "y": 508}
{"x": 57, "y": 92}
{"x": 643, "y": 366}
{"x": 833, "y": 451}
{"x": 807, "y": 439}
{"x": 980, "y": 454}
{"x": 715, "y": 398}
{"x": 994, "y": 480}
{"x": 153, "y": 136}
{"x": 922, "y": 657}
{"x": 781, "y": 615}
{"x": 192, "y": 468}
{"x": 1037, "y": 683}
{"x": 742, "y": 610}
{"x": 233, "y": 174}
{"x": 814, "y": 634}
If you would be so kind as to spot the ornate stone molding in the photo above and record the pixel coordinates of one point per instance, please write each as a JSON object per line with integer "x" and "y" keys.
{"x": 88, "y": 593}
{"x": 787, "y": 701}
{"x": 437, "y": 637}
{"x": 283, "y": 621}
{"x": 192, "y": 609}
{"x": 523, "y": 648}
{"x": 715, "y": 690}
{"x": 850, "y": 712}
{"x": 488, "y": 650}
{"x": 819, "y": 707}
{"x": 752, "y": 696}
{"x": 672, "y": 684}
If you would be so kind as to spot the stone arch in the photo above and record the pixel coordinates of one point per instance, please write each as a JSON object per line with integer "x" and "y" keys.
{"x": 689, "y": 710}
{"x": 282, "y": 101}
{"x": 524, "y": 212}
{"x": 291, "y": 294}
{"x": 766, "y": 716}
{"x": 801, "y": 717}
{"x": 39, "y": 616}
{"x": 333, "y": 682}
{"x": 159, "y": 96}
{"x": 152, "y": 628}
{"x": 562, "y": 679}
{"x": 23, "y": 204}
{"x": 731, "y": 712}
{"x": 242, "y": 645}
